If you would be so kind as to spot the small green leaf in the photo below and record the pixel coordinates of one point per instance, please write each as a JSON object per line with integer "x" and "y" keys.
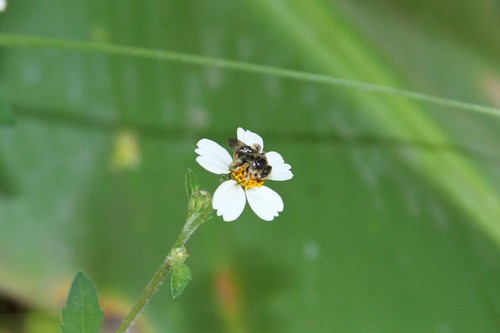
{"x": 6, "y": 114}
{"x": 191, "y": 183}
{"x": 82, "y": 313}
{"x": 180, "y": 278}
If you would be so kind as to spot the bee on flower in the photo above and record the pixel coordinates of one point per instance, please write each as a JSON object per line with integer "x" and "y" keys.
{"x": 248, "y": 169}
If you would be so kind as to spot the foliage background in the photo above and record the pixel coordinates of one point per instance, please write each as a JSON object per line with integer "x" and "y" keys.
{"x": 391, "y": 222}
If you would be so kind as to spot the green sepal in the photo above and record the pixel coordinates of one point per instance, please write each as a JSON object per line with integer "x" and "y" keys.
{"x": 82, "y": 313}
{"x": 191, "y": 183}
{"x": 181, "y": 275}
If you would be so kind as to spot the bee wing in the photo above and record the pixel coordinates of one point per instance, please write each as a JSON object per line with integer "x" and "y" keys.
{"x": 235, "y": 144}
{"x": 250, "y": 138}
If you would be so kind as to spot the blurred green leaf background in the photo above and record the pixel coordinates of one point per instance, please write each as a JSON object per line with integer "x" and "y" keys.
{"x": 391, "y": 223}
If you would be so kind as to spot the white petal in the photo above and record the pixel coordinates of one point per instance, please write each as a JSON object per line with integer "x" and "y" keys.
{"x": 281, "y": 173}
{"x": 274, "y": 158}
{"x": 266, "y": 203}
{"x": 249, "y": 138}
{"x": 229, "y": 200}
{"x": 281, "y": 170}
{"x": 213, "y": 157}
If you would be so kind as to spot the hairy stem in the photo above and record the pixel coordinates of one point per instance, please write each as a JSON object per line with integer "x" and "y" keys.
{"x": 199, "y": 211}
{"x": 147, "y": 294}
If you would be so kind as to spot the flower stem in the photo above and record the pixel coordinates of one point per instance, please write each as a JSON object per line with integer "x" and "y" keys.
{"x": 147, "y": 294}
{"x": 199, "y": 211}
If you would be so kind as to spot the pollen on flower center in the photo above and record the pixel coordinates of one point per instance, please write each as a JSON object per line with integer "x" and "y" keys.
{"x": 245, "y": 179}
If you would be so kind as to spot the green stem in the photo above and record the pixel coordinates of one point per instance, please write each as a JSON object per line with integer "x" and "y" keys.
{"x": 188, "y": 229}
{"x": 147, "y": 294}
{"x": 28, "y": 41}
{"x": 195, "y": 219}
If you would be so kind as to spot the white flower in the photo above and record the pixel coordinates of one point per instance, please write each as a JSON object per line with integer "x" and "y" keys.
{"x": 3, "y": 5}
{"x": 244, "y": 183}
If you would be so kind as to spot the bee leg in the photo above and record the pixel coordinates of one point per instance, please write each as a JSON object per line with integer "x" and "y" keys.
{"x": 234, "y": 166}
{"x": 237, "y": 165}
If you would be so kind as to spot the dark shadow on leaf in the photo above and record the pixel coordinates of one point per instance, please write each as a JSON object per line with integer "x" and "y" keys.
{"x": 12, "y": 315}
{"x": 165, "y": 132}
{"x": 7, "y": 187}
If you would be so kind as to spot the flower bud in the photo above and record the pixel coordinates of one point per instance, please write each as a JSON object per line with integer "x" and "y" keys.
{"x": 200, "y": 202}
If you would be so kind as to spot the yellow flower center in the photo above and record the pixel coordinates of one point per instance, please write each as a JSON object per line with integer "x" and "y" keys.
{"x": 245, "y": 178}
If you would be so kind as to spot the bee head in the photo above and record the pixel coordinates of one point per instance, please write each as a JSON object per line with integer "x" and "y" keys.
{"x": 259, "y": 163}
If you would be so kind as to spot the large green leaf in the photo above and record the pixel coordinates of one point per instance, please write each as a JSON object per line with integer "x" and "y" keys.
{"x": 391, "y": 222}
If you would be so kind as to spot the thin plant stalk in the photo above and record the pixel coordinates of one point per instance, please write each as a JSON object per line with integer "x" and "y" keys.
{"x": 199, "y": 211}
{"x": 12, "y": 40}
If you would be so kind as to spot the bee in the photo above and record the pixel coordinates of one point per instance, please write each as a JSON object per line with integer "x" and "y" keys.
{"x": 251, "y": 155}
